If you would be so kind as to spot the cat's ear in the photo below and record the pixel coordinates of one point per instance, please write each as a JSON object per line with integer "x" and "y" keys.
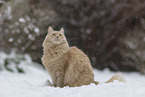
{"x": 50, "y": 30}
{"x": 62, "y": 30}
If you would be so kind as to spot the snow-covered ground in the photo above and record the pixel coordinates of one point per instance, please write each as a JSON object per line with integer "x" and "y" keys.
{"x": 32, "y": 84}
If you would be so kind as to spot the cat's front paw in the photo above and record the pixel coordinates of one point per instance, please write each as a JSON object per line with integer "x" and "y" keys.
{"x": 48, "y": 83}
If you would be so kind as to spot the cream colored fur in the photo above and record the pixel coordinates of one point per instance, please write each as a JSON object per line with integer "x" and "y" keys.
{"x": 68, "y": 66}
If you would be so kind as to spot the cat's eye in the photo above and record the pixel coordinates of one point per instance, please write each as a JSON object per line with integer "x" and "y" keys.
{"x": 60, "y": 35}
{"x": 53, "y": 34}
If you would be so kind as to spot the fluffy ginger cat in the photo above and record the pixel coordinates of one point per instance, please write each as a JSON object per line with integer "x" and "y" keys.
{"x": 67, "y": 66}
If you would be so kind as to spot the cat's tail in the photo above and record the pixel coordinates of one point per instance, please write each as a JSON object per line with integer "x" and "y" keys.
{"x": 119, "y": 77}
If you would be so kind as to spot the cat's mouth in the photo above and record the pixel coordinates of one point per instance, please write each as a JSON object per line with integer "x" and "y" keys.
{"x": 57, "y": 39}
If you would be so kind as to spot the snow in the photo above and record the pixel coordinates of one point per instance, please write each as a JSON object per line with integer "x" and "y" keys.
{"x": 131, "y": 45}
{"x": 26, "y": 30}
{"x": 11, "y": 39}
{"x": 31, "y": 37}
{"x": 22, "y": 20}
{"x": 36, "y": 30}
{"x": 8, "y": 12}
{"x": 32, "y": 84}
{"x": 1, "y": 1}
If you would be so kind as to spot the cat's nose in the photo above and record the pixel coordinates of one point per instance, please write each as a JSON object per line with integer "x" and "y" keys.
{"x": 57, "y": 37}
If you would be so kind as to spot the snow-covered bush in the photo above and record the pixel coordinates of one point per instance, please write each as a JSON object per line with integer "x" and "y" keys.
{"x": 97, "y": 26}
{"x": 14, "y": 62}
{"x": 23, "y": 25}
{"x": 132, "y": 48}
{"x": 101, "y": 28}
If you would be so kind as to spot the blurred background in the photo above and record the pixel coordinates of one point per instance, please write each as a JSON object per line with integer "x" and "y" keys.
{"x": 110, "y": 32}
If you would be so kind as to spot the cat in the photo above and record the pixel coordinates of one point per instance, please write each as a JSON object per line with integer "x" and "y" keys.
{"x": 67, "y": 66}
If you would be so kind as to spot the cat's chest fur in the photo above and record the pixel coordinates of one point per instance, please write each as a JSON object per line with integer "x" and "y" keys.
{"x": 55, "y": 58}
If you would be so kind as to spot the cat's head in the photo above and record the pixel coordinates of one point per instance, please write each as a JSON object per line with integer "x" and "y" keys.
{"x": 55, "y": 37}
